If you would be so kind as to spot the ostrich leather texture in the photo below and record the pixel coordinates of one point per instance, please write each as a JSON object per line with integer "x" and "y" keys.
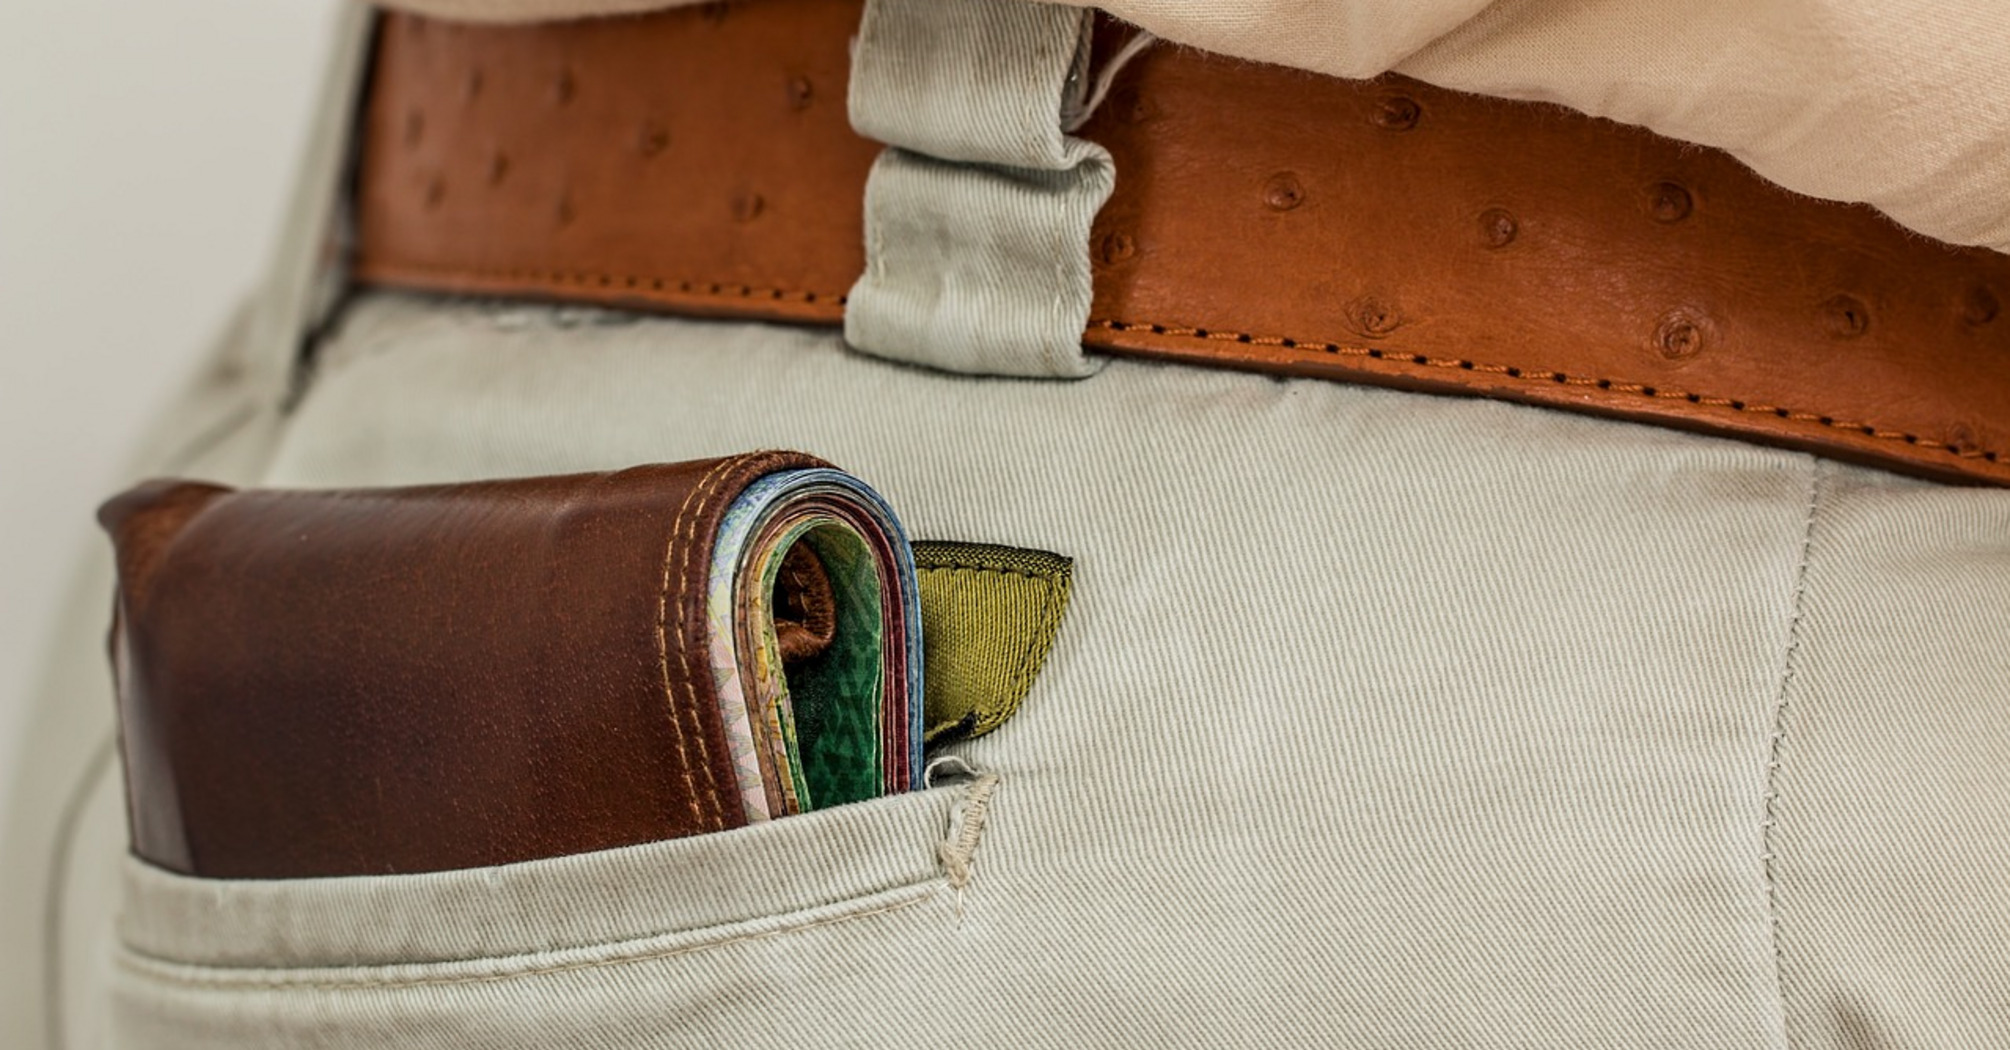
{"x": 700, "y": 161}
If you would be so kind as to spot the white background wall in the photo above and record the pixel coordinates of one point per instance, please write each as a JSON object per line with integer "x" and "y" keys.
{"x": 145, "y": 148}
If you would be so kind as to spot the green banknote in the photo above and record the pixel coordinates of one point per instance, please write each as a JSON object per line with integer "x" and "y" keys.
{"x": 841, "y": 723}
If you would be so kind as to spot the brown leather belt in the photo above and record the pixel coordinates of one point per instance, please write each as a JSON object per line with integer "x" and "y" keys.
{"x": 701, "y": 161}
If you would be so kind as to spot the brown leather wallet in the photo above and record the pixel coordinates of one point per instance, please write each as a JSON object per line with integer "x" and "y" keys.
{"x": 402, "y": 680}
{"x": 700, "y": 160}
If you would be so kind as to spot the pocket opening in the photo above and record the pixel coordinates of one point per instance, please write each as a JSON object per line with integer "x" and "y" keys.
{"x": 812, "y": 862}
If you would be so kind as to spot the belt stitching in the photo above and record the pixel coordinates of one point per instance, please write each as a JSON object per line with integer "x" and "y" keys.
{"x": 720, "y": 289}
{"x": 1527, "y": 376}
{"x": 1537, "y": 376}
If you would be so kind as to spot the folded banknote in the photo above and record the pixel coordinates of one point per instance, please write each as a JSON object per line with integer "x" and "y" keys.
{"x": 838, "y": 718}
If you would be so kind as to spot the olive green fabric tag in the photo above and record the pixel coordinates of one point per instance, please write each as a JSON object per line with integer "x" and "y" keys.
{"x": 988, "y": 616}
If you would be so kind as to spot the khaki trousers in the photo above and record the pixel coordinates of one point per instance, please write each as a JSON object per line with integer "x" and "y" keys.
{"x": 1378, "y": 720}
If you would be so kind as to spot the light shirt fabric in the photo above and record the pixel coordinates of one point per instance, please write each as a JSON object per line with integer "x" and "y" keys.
{"x": 1900, "y": 104}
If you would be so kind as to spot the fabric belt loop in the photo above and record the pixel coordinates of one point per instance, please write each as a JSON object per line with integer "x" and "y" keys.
{"x": 977, "y": 215}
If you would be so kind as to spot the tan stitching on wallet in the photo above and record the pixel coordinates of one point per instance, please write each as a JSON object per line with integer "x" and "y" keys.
{"x": 612, "y": 283}
{"x": 704, "y": 496}
{"x": 680, "y": 545}
{"x": 1534, "y": 376}
{"x": 163, "y": 970}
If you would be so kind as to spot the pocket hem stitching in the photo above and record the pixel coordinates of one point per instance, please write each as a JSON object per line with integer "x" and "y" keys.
{"x": 365, "y": 976}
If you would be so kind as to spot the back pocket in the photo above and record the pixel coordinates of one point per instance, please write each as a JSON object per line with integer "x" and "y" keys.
{"x": 264, "y": 962}
{"x": 681, "y": 888}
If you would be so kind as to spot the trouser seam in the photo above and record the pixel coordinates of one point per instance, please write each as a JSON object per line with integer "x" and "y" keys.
{"x": 53, "y": 894}
{"x": 1776, "y": 747}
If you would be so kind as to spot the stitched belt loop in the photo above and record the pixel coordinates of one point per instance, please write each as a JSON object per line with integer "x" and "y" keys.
{"x": 698, "y": 160}
{"x": 977, "y": 214}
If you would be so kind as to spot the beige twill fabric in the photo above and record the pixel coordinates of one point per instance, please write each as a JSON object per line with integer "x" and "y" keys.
{"x": 1463, "y": 724}
{"x": 1901, "y": 104}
